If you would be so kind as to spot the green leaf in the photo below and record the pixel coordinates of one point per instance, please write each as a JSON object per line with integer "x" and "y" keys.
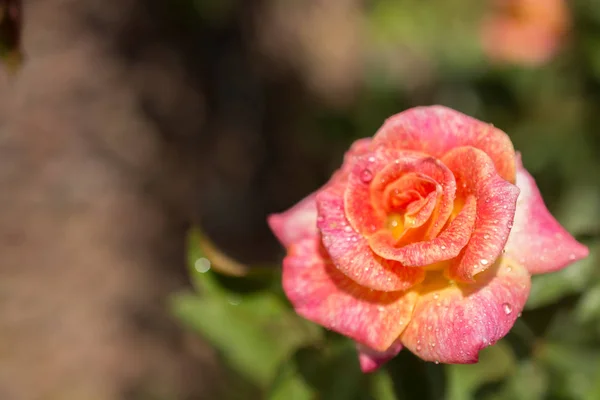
{"x": 289, "y": 384}
{"x": 382, "y": 386}
{"x": 345, "y": 380}
{"x": 253, "y": 333}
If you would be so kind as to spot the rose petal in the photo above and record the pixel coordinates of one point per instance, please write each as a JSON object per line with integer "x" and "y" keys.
{"x": 297, "y": 223}
{"x": 370, "y": 360}
{"x": 435, "y": 130}
{"x": 444, "y": 247}
{"x": 418, "y": 213}
{"x": 496, "y": 201}
{"x": 363, "y": 198}
{"x": 451, "y": 323}
{"x": 322, "y": 294}
{"x": 372, "y": 173}
{"x": 350, "y": 251}
{"x": 423, "y": 166}
{"x": 537, "y": 240}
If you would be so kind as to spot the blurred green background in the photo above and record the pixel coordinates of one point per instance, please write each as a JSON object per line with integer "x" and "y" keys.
{"x": 217, "y": 113}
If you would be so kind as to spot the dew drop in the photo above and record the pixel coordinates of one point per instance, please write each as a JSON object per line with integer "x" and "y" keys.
{"x": 443, "y": 247}
{"x": 486, "y": 236}
{"x": 436, "y": 296}
{"x": 419, "y": 347}
{"x": 519, "y": 315}
{"x": 371, "y": 159}
{"x": 483, "y": 261}
{"x": 507, "y": 308}
{"x": 572, "y": 257}
{"x": 437, "y": 362}
{"x": 429, "y": 327}
{"x": 432, "y": 344}
{"x": 348, "y": 228}
{"x": 202, "y": 265}
{"x": 366, "y": 176}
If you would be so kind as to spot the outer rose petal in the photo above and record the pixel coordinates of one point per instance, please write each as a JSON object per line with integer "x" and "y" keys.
{"x": 321, "y": 293}
{"x": 300, "y": 221}
{"x": 451, "y": 324}
{"x": 350, "y": 251}
{"x": 297, "y": 223}
{"x": 537, "y": 240}
{"x": 436, "y": 129}
{"x": 496, "y": 202}
{"x": 370, "y": 359}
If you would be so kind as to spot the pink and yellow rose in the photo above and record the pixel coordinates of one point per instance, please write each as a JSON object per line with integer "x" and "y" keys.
{"x": 425, "y": 238}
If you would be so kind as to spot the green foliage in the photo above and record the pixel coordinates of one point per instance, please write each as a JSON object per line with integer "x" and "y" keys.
{"x": 254, "y": 331}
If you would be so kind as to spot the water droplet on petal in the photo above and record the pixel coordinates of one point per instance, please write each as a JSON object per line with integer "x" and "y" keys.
{"x": 371, "y": 159}
{"x": 443, "y": 247}
{"x": 348, "y": 228}
{"x": 507, "y": 308}
{"x": 486, "y": 236}
{"x": 436, "y": 296}
{"x": 483, "y": 261}
{"x": 437, "y": 362}
{"x": 366, "y": 176}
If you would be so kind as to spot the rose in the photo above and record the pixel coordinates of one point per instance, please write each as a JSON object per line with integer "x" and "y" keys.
{"x": 412, "y": 242}
{"x": 526, "y": 32}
